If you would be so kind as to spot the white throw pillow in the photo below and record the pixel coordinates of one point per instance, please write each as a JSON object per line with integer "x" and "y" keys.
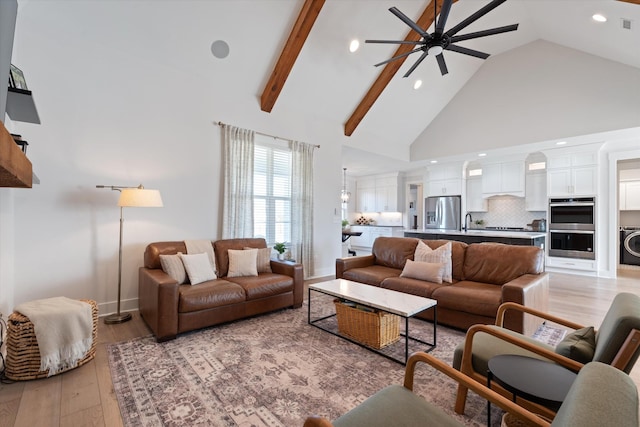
{"x": 198, "y": 267}
{"x": 424, "y": 253}
{"x": 243, "y": 263}
{"x": 173, "y": 266}
{"x": 431, "y": 272}
{"x": 263, "y": 263}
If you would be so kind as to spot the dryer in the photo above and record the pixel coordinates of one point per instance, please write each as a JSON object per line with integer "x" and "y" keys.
{"x": 630, "y": 245}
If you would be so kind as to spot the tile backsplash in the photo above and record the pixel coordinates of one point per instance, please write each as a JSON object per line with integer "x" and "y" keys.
{"x": 507, "y": 211}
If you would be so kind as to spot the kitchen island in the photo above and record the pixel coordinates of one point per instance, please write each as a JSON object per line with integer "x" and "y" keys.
{"x": 525, "y": 238}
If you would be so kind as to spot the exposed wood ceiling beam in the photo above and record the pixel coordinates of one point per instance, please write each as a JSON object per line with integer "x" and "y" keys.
{"x": 631, "y": 1}
{"x": 299, "y": 32}
{"x": 390, "y": 69}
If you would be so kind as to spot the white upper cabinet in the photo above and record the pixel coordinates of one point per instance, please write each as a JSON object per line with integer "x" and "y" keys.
{"x": 572, "y": 174}
{"x": 503, "y": 178}
{"x": 366, "y": 195}
{"x": 379, "y": 193}
{"x": 536, "y": 192}
{"x": 535, "y": 183}
{"x": 444, "y": 180}
{"x": 630, "y": 196}
{"x": 475, "y": 201}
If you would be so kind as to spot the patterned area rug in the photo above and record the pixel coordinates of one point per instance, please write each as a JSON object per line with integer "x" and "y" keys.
{"x": 271, "y": 370}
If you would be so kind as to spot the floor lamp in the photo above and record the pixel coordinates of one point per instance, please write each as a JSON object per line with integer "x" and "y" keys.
{"x": 129, "y": 197}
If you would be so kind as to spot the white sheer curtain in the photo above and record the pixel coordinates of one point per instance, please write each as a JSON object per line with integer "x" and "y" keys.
{"x": 302, "y": 205}
{"x": 237, "y": 215}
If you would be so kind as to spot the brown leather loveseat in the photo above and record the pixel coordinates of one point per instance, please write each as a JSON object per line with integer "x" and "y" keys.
{"x": 485, "y": 275}
{"x": 170, "y": 308}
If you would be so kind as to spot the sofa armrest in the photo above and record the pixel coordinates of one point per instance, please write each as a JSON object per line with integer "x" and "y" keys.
{"x": 344, "y": 264}
{"x": 370, "y": 406}
{"x": 530, "y": 290}
{"x": 294, "y": 271}
{"x": 158, "y": 302}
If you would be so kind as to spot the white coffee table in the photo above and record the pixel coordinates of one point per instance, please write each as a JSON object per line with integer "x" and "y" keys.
{"x": 398, "y": 303}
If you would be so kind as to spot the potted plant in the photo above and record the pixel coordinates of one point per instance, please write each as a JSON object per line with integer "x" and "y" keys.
{"x": 280, "y": 247}
{"x": 345, "y": 223}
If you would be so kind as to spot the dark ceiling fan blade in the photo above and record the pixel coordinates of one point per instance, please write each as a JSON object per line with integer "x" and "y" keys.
{"x": 394, "y": 41}
{"x": 484, "y": 33}
{"x": 398, "y": 57}
{"x": 444, "y": 14}
{"x": 467, "y": 51}
{"x": 404, "y": 18}
{"x": 472, "y": 18}
{"x": 414, "y": 66}
{"x": 442, "y": 64}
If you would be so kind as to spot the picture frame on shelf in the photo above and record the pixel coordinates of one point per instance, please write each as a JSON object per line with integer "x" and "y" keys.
{"x": 17, "y": 77}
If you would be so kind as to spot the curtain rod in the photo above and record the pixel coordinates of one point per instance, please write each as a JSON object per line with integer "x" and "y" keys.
{"x": 264, "y": 134}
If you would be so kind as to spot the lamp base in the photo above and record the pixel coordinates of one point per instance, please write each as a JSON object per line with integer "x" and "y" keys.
{"x": 117, "y": 318}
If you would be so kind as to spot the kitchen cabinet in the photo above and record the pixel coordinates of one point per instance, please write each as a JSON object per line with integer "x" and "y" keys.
{"x": 572, "y": 174}
{"x": 475, "y": 201}
{"x": 366, "y": 195}
{"x": 445, "y": 180}
{"x": 450, "y": 187}
{"x": 630, "y": 195}
{"x": 380, "y": 193}
{"x": 362, "y": 241}
{"x": 521, "y": 239}
{"x": 370, "y": 233}
{"x": 578, "y": 181}
{"x": 387, "y": 194}
{"x": 503, "y": 178}
{"x": 535, "y": 198}
{"x": 586, "y": 265}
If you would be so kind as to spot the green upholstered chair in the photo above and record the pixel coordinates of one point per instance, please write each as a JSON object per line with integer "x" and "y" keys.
{"x": 617, "y": 343}
{"x": 600, "y": 396}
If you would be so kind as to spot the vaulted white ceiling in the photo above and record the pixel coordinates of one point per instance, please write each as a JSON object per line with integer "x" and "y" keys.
{"x": 146, "y": 41}
{"x": 331, "y": 81}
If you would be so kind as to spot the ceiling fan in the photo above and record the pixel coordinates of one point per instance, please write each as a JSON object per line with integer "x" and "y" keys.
{"x": 440, "y": 40}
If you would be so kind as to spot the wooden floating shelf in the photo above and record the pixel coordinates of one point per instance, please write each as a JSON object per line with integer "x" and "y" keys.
{"x": 15, "y": 168}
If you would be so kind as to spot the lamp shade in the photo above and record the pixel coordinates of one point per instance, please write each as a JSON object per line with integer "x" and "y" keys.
{"x": 140, "y": 198}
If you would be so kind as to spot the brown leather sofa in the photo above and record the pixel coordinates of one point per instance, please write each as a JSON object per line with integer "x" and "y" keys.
{"x": 170, "y": 309}
{"x": 485, "y": 275}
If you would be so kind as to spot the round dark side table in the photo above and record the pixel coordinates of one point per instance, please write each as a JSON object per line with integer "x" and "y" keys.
{"x": 536, "y": 380}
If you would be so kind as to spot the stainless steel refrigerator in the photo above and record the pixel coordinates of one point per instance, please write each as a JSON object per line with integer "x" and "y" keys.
{"x": 442, "y": 212}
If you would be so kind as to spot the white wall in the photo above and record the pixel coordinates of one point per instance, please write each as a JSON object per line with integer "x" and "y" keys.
{"x": 538, "y": 92}
{"x": 125, "y": 101}
{"x": 8, "y": 10}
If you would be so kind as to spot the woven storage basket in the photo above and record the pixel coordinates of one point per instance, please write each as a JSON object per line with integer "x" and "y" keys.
{"x": 375, "y": 329}
{"x": 23, "y": 354}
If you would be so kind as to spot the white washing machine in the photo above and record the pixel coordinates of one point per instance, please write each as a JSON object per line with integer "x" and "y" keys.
{"x": 630, "y": 245}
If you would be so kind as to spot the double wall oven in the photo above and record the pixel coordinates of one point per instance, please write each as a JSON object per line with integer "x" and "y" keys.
{"x": 572, "y": 227}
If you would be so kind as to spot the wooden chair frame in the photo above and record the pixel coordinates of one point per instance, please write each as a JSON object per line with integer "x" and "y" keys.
{"x": 620, "y": 361}
{"x": 462, "y": 379}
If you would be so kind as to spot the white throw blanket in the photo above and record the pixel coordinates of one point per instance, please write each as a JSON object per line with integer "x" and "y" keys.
{"x": 201, "y": 246}
{"x": 63, "y": 329}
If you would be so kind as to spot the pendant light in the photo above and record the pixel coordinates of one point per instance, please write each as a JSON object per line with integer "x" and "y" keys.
{"x": 344, "y": 196}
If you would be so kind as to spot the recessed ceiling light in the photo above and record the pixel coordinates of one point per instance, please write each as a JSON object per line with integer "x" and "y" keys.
{"x": 482, "y": 154}
{"x": 561, "y": 142}
{"x": 417, "y": 84}
{"x": 599, "y": 18}
{"x": 355, "y": 44}
{"x": 434, "y": 161}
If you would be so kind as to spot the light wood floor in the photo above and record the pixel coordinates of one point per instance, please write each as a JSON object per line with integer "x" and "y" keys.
{"x": 85, "y": 397}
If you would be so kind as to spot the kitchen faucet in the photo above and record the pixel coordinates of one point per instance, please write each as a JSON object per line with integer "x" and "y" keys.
{"x": 465, "y": 220}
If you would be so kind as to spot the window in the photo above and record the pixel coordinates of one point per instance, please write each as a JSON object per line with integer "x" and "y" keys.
{"x": 271, "y": 192}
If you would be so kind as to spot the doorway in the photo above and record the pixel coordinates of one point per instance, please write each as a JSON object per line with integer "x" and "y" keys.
{"x": 414, "y": 206}
{"x": 628, "y": 180}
